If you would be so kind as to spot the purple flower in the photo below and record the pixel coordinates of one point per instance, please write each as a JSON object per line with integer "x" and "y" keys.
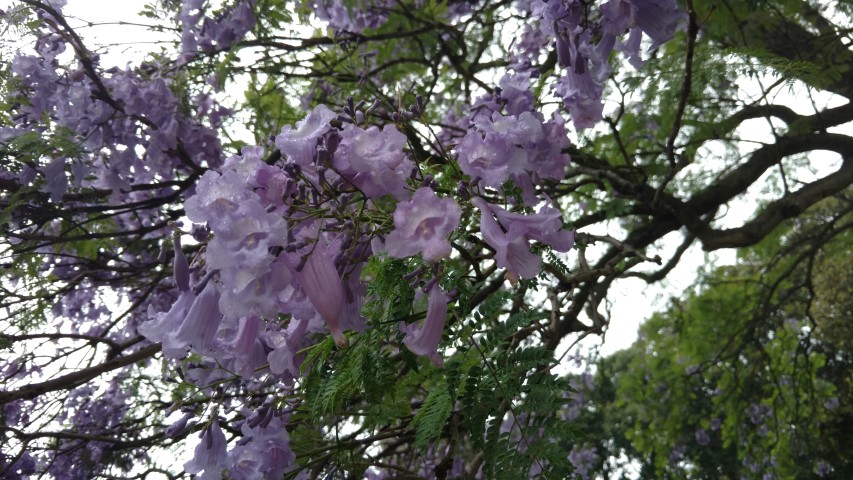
{"x": 515, "y": 91}
{"x": 425, "y": 340}
{"x": 244, "y": 232}
{"x": 202, "y": 320}
{"x": 544, "y": 226}
{"x": 56, "y": 183}
{"x": 181, "y": 268}
{"x": 362, "y": 14}
{"x": 300, "y": 144}
{"x": 374, "y": 161}
{"x": 715, "y": 423}
{"x": 512, "y": 250}
{"x": 284, "y": 358}
{"x": 702, "y": 437}
{"x": 214, "y": 34}
{"x": 323, "y": 287}
{"x": 210, "y": 454}
{"x": 491, "y": 158}
{"x": 162, "y": 326}
{"x": 244, "y": 353}
{"x": 659, "y": 19}
{"x": 179, "y": 427}
{"x": 676, "y": 454}
{"x": 583, "y": 458}
{"x": 266, "y": 454}
{"x": 422, "y": 225}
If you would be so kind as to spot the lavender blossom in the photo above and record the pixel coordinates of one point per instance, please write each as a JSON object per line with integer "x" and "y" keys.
{"x": 492, "y": 158}
{"x": 702, "y": 437}
{"x": 422, "y": 225}
{"x": 210, "y": 454}
{"x": 374, "y": 161}
{"x": 584, "y": 459}
{"x": 659, "y": 19}
{"x": 425, "y": 340}
{"x": 512, "y": 250}
{"x": 323, "y": 286}
{"x": 267, "y": 455}
{"x": 299, "y": 144}
{"x": 202, "y": 321}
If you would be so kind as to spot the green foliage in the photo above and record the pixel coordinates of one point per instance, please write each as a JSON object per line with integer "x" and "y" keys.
{"x": 431, "y": 417}
{"x": 335, "y": 377}
{"x": 389, "y": 296}
{"x": 514, "y": 381}
{"x": 733, "y": 380}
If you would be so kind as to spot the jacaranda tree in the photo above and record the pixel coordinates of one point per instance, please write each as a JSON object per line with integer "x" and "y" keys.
{"x": 355, "y": 238}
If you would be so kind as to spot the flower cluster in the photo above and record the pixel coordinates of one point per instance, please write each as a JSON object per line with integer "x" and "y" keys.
{"x": 201, "y": 33}
{"x": 281, "y": 238}
{"x": 584, "y": 42}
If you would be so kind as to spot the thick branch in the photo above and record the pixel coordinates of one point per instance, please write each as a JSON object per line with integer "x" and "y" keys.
{"x": 786, "y": 207}
{"x": 75, "y": 379}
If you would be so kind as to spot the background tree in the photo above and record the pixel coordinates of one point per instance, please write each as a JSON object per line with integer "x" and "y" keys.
{"x": 383, "y": 285}
{"x": 746, "y": 375}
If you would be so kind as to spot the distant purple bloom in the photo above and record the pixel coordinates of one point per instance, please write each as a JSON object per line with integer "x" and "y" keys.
{"x": 361, "y": 15}
{"x": 823, "y": 468}
{"x": 422, "y": 225}
{"x": 677, "y": 454}
{"x": 757, "y": 413}
{"x": 702, "y": 437}
{"x": 584, "y": 459}
{"x": 715, "y": 424}
{"x": 214, "y": 34}
{"x": 425, "y": 340}
{"x": 56, "y": 182}
{"x": 831, "y": 404}
{"x": 21, "y": 469}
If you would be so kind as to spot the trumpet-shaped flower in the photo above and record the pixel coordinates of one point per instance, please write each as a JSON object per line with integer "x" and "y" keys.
{"x": 300, "y": 144}
{"x": 210, "y": 454}
{"x": 511, "y": 243}
{"x": 422, "y": 225}
{"x": 374, "y": 161}
{"x": 424, "y": 340}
